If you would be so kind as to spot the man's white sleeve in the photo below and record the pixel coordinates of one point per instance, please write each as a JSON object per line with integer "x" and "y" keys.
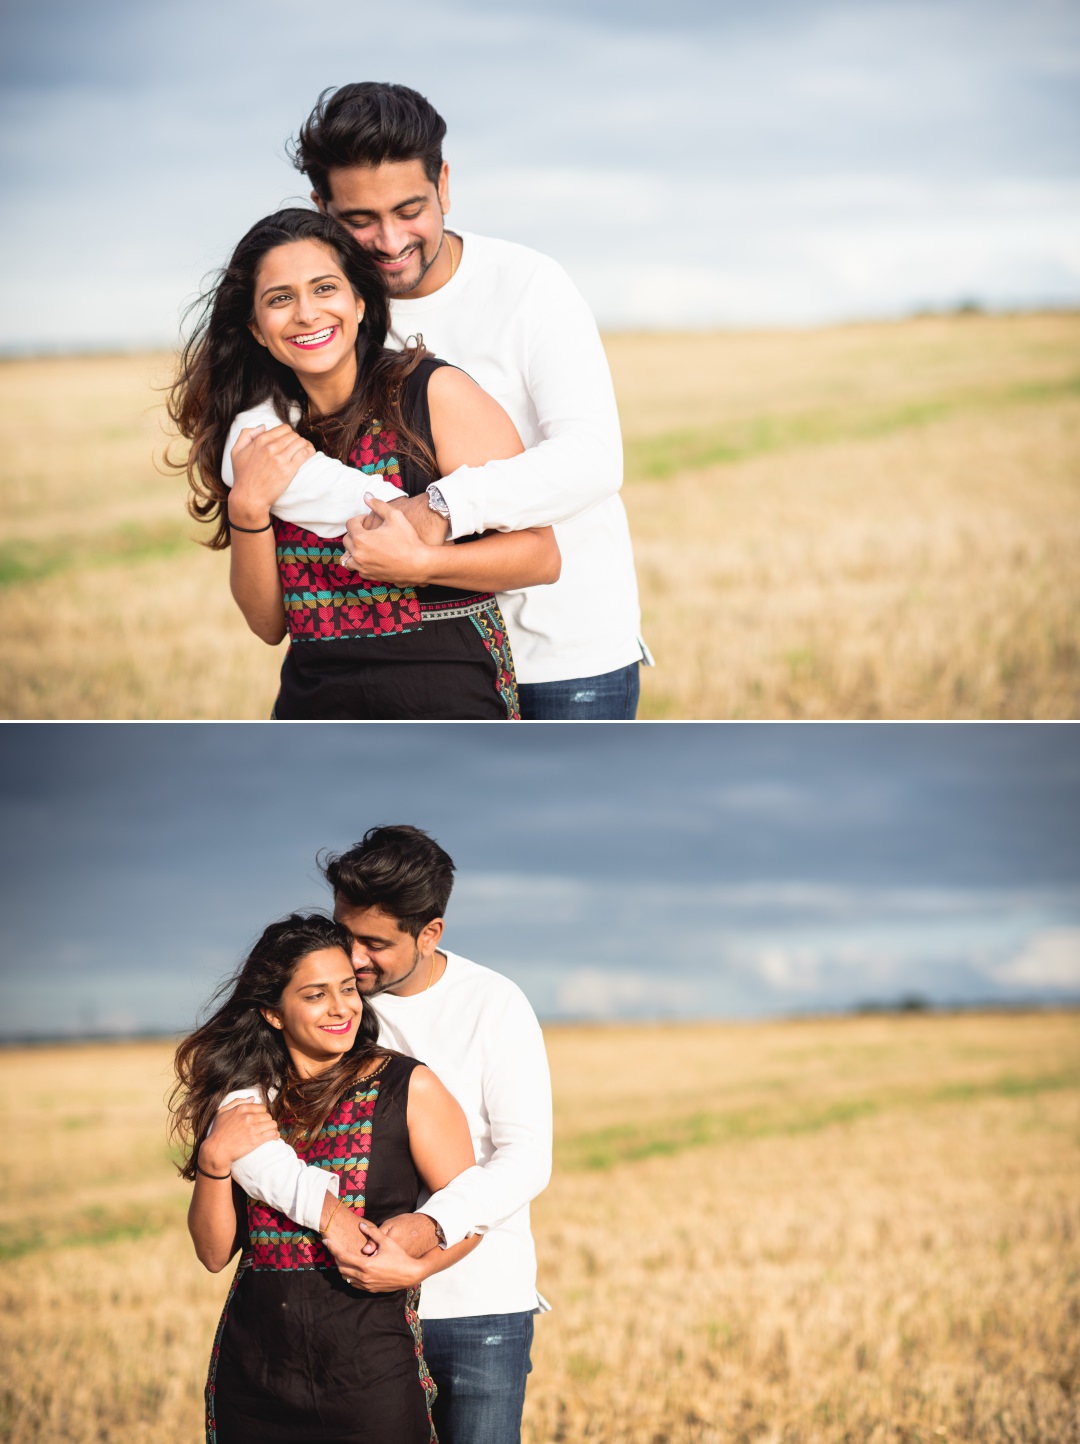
{"x": 517, "y": 1100}
{"x": 578, "y": 461}
{"x": 324, "y": 493}
{"x": 273, "y": 1174}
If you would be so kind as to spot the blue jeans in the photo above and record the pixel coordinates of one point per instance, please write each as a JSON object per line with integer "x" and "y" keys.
{"x": 610, "y": 697}
{"x": 479, "y": 1365}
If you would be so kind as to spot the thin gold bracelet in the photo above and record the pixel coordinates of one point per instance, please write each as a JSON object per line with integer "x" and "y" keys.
{"x": 330, "y": 1220}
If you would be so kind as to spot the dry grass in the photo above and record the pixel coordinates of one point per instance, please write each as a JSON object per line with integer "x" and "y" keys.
{"x": 863, "y": 521}
{"x": 857, "y": 1230}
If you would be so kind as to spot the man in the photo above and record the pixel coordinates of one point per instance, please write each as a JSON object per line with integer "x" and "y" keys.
{"x": 477, "y": 1032}
{"x": 513, "y": 320}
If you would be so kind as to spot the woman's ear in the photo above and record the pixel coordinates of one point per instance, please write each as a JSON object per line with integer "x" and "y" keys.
{"x": 254, "y": 329}
{"x": 360, "y": 308}
{"x": 272, "y": 1016}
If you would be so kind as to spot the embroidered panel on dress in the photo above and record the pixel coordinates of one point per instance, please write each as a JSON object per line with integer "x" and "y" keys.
{"x": 489, "y": 623}
{"x": 342, "y": 1146}
{"x": 324, "y": 601}
{"x": 427, "y": 1383}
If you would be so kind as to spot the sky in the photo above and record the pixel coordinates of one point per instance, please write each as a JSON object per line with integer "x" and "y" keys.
{"x": 701, "y": 163}
{"x": 660, "y": 871}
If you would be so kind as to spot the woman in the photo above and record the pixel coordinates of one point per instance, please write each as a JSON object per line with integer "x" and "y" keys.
{"x": 297, "y": 321}
{"x": 300, "y": 1354}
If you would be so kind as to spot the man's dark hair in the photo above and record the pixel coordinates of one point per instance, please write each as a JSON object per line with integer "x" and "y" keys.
{"x": 399, "y": 869}
{"x": 367, "y": 123}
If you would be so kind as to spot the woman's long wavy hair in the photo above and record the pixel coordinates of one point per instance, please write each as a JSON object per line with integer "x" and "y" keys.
{"x": 223, "y": 369}
{"x": 237, "y": 1048}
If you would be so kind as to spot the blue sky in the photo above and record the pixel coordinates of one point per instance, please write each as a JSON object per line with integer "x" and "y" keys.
{"x": 664, "y": 870}
{"x": 692, "y": 164}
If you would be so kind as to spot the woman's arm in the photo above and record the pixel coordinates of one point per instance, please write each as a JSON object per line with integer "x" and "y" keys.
{"x": 469, "y": 428}
{"x": 263, "y": 463}
{"x": 215, "y": 1212}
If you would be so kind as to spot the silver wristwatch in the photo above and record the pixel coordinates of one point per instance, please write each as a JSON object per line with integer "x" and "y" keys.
{"x": 437, "y": 501}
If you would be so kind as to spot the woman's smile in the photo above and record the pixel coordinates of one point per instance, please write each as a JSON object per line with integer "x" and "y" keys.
{"x": 313, "y": 339}
{"x": 336, "y": 1027}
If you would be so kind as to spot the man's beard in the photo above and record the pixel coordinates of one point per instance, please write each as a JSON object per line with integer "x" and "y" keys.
{"x": 425, "y": 267}
{"x": 380, "y": 985}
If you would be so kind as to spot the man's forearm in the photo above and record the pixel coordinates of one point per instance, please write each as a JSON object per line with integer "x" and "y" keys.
{"x": 550, "y": 483}
{"x": 274, "y": 1175}
{"x": 485, "y": 1195}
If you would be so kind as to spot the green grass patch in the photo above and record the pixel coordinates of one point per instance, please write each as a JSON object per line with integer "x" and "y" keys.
{"x": 92, "y": 1227}
{"x": 631, "y": 1143}
{"x": 1010, "y": 1085}
{"x": 654, "y": 458}
{"x": 23, "y": 561}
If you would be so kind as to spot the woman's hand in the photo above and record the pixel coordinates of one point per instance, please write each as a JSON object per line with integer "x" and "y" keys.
{"x": 388, "y": 1268}
{"x": 390, "y": 552}
{"x": 238, "y": 1129}
{"x": 264, "y": 462}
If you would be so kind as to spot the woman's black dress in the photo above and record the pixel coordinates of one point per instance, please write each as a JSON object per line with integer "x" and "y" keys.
{"x": 364, "y": 650}
{"x": 301, "y": 1355}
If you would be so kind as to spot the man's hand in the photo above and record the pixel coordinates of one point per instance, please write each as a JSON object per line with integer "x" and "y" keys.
{"x": 429, "y": 526}
{"x": 264, "y": 462}
{"x": 385, "y": 1270}
{"x": 414, "y": 1232}
{"x": 392, "y": 553}
{"x": 239, "y": 1129}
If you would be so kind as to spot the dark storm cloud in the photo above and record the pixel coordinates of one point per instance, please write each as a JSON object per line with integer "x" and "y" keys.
{"x": 760, "y": 864}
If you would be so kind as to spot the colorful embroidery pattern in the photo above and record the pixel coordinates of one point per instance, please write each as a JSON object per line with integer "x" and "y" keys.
{"x": 324, "y": 601}
{"x": 374, "y": 453}
{"x": 489, "y": 623}
{"x": 427, "y": 1383}
{"x": 343, "y": 1146}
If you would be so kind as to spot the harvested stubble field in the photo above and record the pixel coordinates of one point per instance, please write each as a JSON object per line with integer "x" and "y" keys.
{"x": 862, "y": 521}
{"x": 863, "y": 1230}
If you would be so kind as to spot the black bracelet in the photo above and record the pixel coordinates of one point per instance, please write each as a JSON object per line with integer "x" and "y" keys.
{"x": 251, "y": 531}
{"x": 219, "y": 1176}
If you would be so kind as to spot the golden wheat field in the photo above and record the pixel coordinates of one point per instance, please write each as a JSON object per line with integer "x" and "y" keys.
{"x": 863, "y": 1230}
{"x": 862, "y": 521}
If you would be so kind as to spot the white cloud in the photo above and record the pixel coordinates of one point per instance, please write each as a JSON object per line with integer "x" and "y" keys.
{"x": 526, "y": 898}
{"x": 590, "y": 993}
{"x": 1051, "y": 959}
{"x": 792, "y": 969}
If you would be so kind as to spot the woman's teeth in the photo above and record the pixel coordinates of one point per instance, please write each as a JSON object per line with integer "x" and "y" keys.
{"x": 315, "y": 339}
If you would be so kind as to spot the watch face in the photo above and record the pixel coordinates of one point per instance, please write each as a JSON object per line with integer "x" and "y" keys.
{"x": 436, "y": 501}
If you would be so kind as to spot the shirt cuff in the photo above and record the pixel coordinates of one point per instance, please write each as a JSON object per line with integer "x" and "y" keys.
{"x": 311, "y": 1196}
{"x": 464, "y": 516}
{"x": 452, "y": 1214}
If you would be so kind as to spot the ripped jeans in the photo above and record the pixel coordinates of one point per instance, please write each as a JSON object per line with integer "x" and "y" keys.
{"x": 479, "y": 1365}
{"x": 610, "y": 697}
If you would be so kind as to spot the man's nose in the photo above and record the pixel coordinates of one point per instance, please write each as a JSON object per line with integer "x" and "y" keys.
{"x": 393, "y": 237}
